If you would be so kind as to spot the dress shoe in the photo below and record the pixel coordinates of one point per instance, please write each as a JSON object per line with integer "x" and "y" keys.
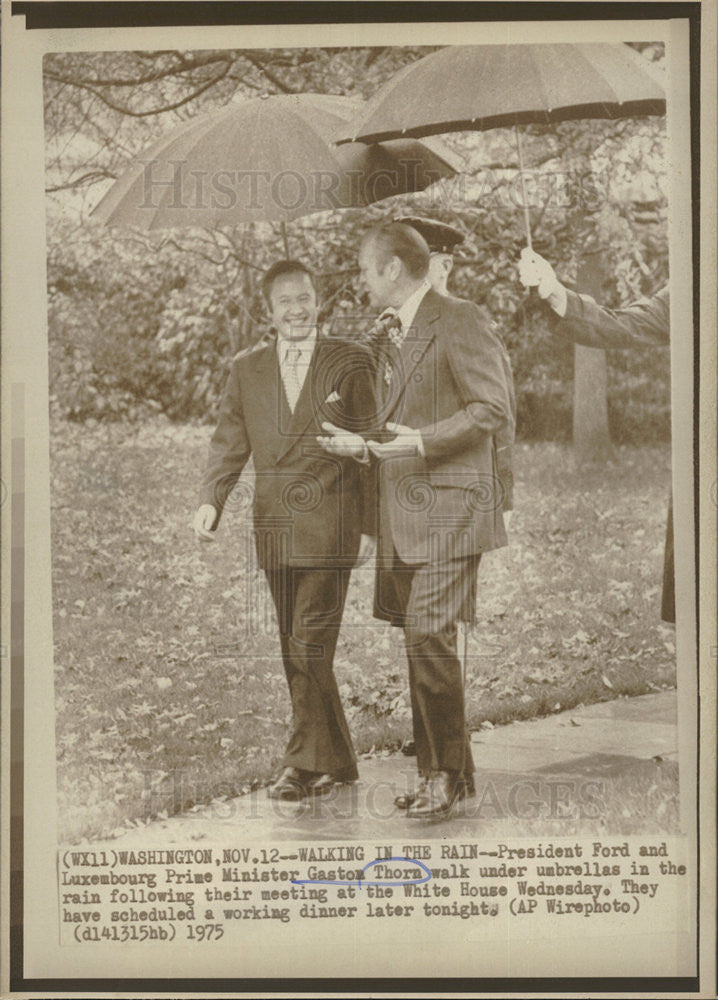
{"x": 465, "y": 788}
{"x": 291, "y": 785}
{"x": 321, "y": 784}
{"x": 438, "y": 796}
{"x": 408, "y": 798}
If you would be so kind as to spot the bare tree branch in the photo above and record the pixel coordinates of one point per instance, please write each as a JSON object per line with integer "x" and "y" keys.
{"x": 154, "y": 111}
{"x": 258, "y": 64}
{"x": 244, "y": 81}
{"x": 227, "y": 254}
{"x": 184, "y": 65}
{"x": 88, "y": 178}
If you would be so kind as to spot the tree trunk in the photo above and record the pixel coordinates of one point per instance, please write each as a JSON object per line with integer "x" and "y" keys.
{"x": 591, "y": 439}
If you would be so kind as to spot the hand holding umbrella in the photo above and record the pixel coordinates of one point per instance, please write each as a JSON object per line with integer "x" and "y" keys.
{"x": 536, "y": 272}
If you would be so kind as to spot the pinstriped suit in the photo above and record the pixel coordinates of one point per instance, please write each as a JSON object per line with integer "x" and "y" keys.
{"x": 439, "y": 512}
{"x": 309, "y": 511}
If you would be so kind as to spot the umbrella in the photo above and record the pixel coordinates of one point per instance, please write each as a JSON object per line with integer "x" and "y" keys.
{"x": 478, "y": 87}
{"x": 266, "y": 159}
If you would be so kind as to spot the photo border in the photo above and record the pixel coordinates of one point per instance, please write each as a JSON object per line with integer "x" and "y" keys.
{"x": 151, "y": 14}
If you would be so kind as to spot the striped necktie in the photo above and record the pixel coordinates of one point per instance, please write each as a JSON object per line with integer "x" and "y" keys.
{"x": 290, "y": 375}
{"x": 388, "y": 327}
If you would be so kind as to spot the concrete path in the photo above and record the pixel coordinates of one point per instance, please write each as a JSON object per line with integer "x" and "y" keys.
{"x": 530, "y": 776}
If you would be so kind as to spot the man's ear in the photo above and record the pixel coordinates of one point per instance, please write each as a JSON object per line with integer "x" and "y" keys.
{"x": 448, "y": 265}
{"x": 394, "y": 268}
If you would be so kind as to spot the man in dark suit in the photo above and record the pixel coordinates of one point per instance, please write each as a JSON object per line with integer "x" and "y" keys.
{"x": 311, "y": 520}
{"x": 644, "y": 323}
{"x": 442, "y": 241}
{"x": 443, "y": 397}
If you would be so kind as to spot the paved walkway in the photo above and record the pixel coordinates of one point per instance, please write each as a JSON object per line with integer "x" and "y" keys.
{"x": 531, "y": 771}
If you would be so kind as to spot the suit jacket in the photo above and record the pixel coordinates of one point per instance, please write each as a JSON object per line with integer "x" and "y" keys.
{"x": 309, "y": 507}
{"x": 504, "y": 438}
{"x": 449, "y": 382}
{"x": 645, "y": 322}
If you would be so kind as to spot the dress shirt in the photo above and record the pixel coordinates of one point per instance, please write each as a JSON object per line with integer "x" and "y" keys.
{"x": 406, "y": 314}
{"x": 409, "y": 309}
{"x": 293, "y": 376}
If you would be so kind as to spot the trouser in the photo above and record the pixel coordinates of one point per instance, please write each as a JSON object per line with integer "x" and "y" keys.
{"x": 427, "y": 600}
{"x": 309, "y": 604}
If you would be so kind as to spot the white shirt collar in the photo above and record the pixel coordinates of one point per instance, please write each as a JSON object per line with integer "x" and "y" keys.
{"x": 409, "y": 309}
{"x": 306, "y": 345}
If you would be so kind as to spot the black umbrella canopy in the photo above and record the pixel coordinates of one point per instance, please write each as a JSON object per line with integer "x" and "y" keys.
{"x": 475, "y": 87}
{"x": 269, "y": 159}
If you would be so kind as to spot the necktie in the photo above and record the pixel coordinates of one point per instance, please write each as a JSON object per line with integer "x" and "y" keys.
{"x": 290, "y": 375}
{"x": 386, "y": 330}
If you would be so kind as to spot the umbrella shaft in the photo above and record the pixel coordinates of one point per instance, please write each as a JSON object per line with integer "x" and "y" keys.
{"x": 527, "y": 218}
{"x": 285, "y": 239}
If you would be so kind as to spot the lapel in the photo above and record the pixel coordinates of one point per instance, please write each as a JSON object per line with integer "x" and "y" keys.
{"x": 266, "y": 392}
{"x": 416, "y": 343}
{"x": 305, "y": 410}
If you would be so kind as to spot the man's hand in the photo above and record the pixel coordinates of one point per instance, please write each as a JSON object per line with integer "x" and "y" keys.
{"x": 342, "y": 443}
{"x": 203, "y": 521}
{"x": 407, "y": 442}
{"x": 367, "y": 548}
{"x": 535, "y": 272}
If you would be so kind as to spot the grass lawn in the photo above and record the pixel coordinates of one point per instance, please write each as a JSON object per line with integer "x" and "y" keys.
{"x": 168, "y": 673}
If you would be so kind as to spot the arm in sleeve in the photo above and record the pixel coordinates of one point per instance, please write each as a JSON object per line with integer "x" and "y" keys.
{"x": 642, "y": 323}
{"x": 476, "y": 361}
{"x": 229, "y": 448}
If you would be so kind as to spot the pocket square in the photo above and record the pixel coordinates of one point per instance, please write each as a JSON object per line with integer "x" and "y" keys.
{"x": 333, "y": 397}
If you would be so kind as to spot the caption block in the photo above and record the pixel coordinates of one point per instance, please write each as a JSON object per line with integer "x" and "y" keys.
{"x": 204, "y": 894}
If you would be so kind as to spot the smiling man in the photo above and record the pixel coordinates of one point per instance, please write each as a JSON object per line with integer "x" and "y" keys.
{"x": 312, "y": 519}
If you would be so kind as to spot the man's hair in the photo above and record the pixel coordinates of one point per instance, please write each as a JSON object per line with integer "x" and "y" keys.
{"x": 278, "y": 270}
{"x": 395, "y": 239}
